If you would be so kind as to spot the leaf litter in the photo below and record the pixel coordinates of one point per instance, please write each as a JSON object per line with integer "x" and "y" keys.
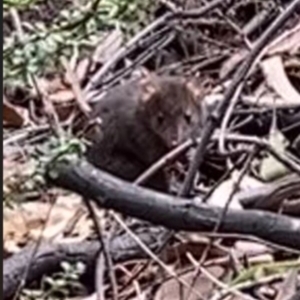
{"x": 254, "y": 269}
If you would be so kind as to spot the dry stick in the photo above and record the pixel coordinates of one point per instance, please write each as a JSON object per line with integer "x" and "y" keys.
{"x": 20, "y": 33}
{"x": 146, "y": 175}
{"x": 232, "y": 137}
{"x": 110, "y": 82}
{"x": 79, "y": 95}
{"x": 33, "y": 254}
{"x": 152, "y": 255}
{"x": 182, "y": 148}
{"x": 216, "y": 281}
{"x": 135, "y": 283}
{"x": 232, "y": 91}
{"x": 99, "y": 278}
{"x": 160, "y": 21}
{"x": 103, "y": 249}
{"x": 49, "y": 110}
{"x": 239, "y": 76}
{"x": 253, "y": 239}
{"x": 291, "y": 165}
{"x": 164, "y": 160}
{"x": 248, "y": 284}
{"x": 234, "y": 26}
{"x": 58, "y": 130}
{"x": 224, "y": 211}
{"x": 227, "y": 116}
{"x": 213, "y": 121}
{"x": 219, "y": 182}
{"x": 103, "y": 252}
{"x": 112, "y": 193}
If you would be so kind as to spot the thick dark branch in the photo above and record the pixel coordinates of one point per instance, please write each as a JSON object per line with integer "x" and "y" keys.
{"x": 49, "y": 257}
{"x": 174, "y": 213}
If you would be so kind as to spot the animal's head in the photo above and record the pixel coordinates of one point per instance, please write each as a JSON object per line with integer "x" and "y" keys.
{"x": 171, "y": 107}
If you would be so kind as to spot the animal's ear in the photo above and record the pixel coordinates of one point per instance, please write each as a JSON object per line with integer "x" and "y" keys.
{"x": 149, "y": 86}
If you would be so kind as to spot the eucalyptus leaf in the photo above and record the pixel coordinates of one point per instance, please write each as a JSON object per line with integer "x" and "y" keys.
{"x": 271, "y": 168}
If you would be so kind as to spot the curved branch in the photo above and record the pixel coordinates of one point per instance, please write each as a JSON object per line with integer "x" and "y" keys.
{"x": 172, "y": 212}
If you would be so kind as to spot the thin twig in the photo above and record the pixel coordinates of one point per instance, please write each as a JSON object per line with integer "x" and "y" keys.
{"x": 239, "y": 76}
{"x": 104, "y": 250}
{"x": 235, "y": 188}
{"x": 154, "y": 256}
{"x": 79, "y": 95}
{"x": 134, "y": 41}
{"x": 216, "y": 281}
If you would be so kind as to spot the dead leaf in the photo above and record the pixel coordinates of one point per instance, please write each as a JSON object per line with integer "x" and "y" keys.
{"x": 82, "y": 69}
{"x": 63, "y": 102}
{"x": 270, "y": 167}
{"x": 232, "y": 62}
{"x": 108, "y": 46}
{"x": 25, "y": 222}
{"x": 221, "y": 195}
{"x": 288, "y": 41}
{"x": 76, "y": 88}
{"x": 171, "y": 289}
{"x": 49, "y": 86}
{"x": 66, "y": 95}
{"x": 289, "y": 286}
{"x": 276, "y": 77}
{"x": 195, "y": 248}
{"x": 258, "y": 252}
{"x": 11, "y": 115}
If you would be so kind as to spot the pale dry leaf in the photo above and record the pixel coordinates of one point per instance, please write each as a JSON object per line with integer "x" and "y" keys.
{"x": 10, "y": 247}
{"x": 288, "y": 286}
{"x": 277, "y": 79}
{"x": 171, "y": 289}
{"x": 60, "y": 96}
{"x": 232, "y": 62}
{"x": 82, "y": 69}
{"x": 49, "y": 86}
{"x": 222, "y": 193}
{"x": 108, "y": 46}
{"x": 270, "y": 167}
{"x": 266, "y": 100}
{"x": 14, "y": 230}
{"x": 57, "y": 98}
{"x": 194, "y": 237}
{"x": 12, "y": 166}
{"x": 257, "y": 251}
{"x": 17, "y": 171}
{"x": 83, "y": 227}
{"x": 288, "y": 41}
{"x": 26, "y": 221}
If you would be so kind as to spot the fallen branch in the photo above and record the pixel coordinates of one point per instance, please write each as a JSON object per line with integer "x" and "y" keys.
{"x": 172, "y": 212}
{"x": 49, "y": 257}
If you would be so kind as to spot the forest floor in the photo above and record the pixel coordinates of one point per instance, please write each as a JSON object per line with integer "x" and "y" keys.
{"x": 59, "y": 55}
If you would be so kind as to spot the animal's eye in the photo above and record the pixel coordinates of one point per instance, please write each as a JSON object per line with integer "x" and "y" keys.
{"x": 188, "y": 117}
{"x": 160, "y": 118}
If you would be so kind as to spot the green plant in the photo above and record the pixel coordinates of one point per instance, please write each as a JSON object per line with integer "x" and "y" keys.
{"x": 59, "y": 285}
{"x": 75, "y": 28}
